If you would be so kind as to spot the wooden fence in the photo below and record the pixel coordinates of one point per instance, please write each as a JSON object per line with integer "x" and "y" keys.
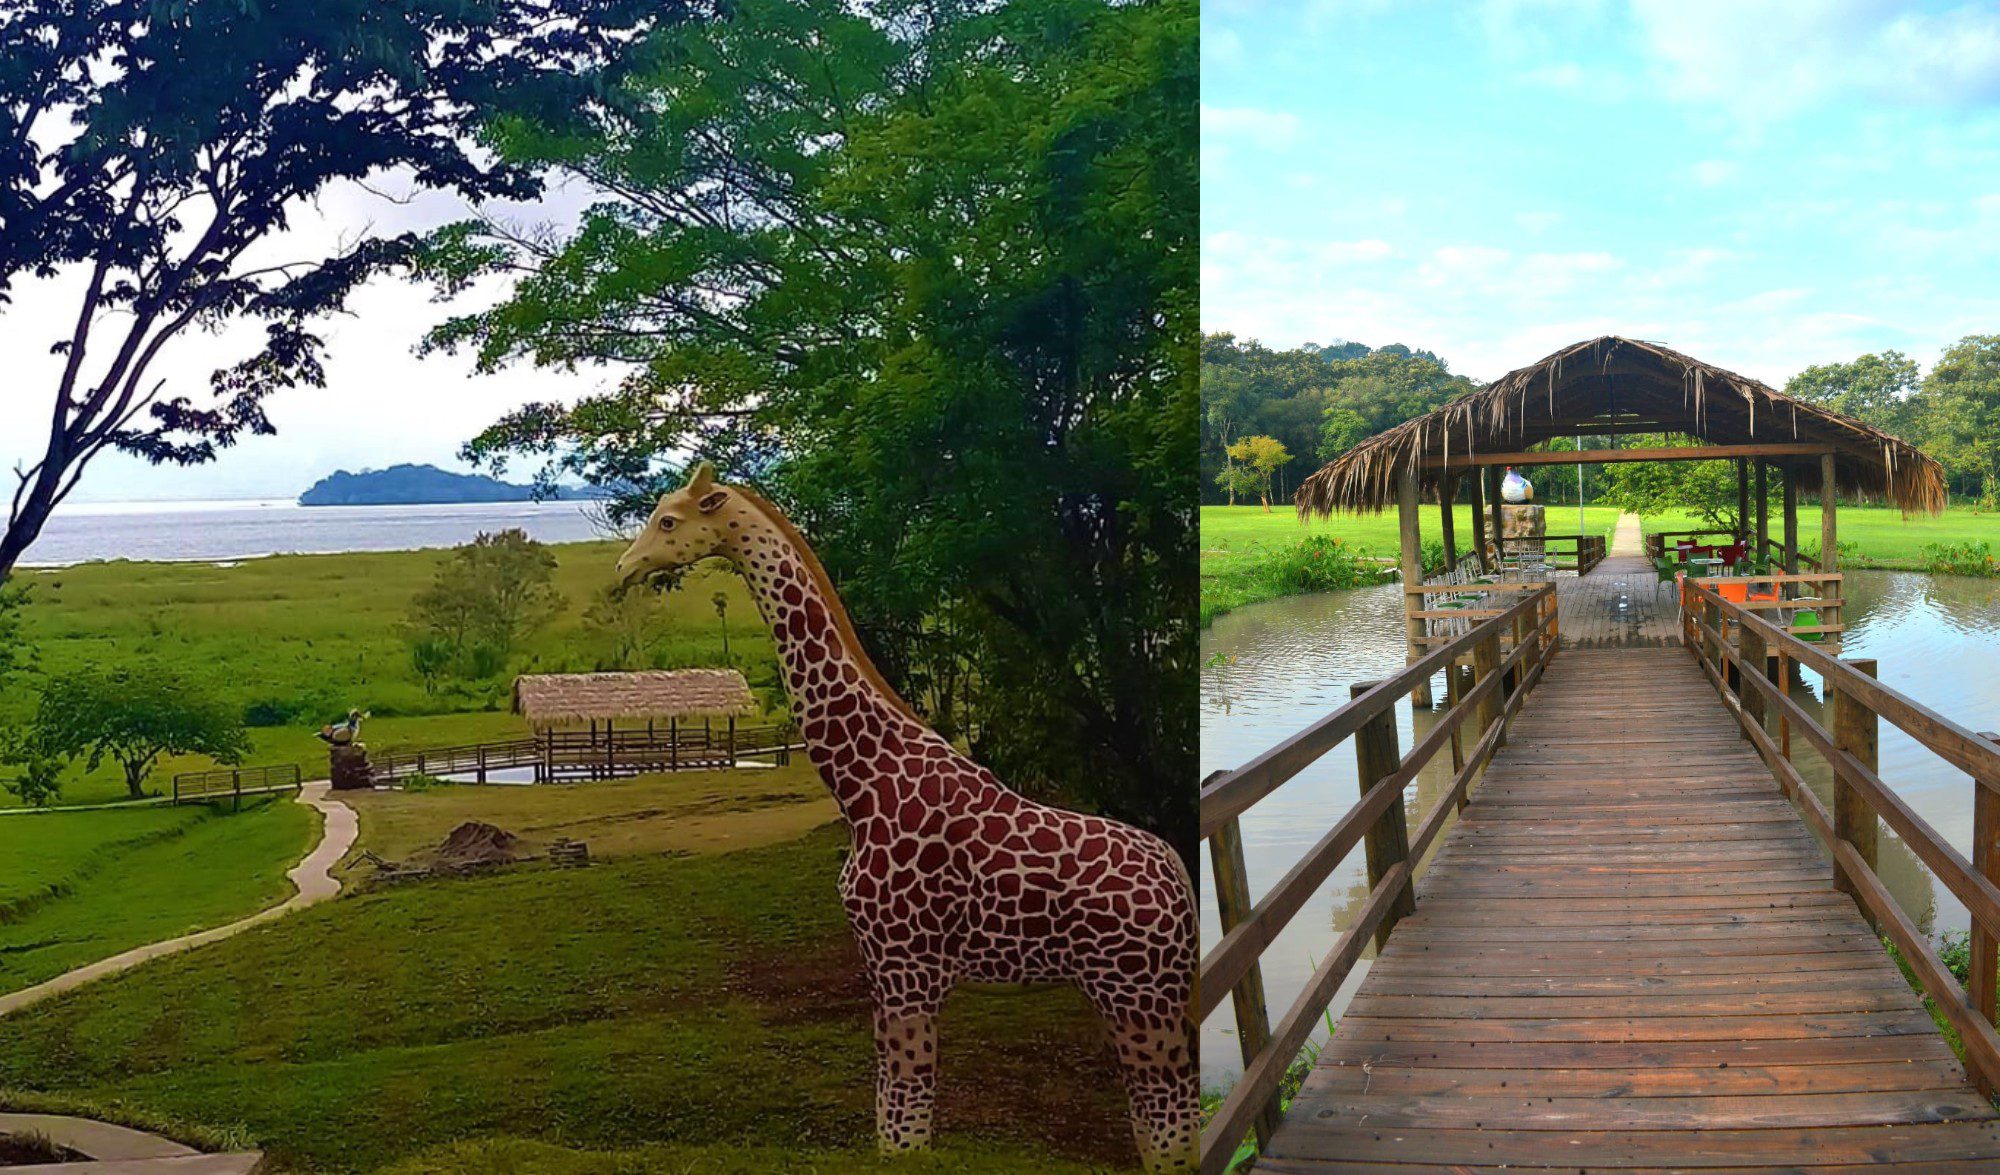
{"x": 1509, "y": 650}
{"x": 233, "y": 783}
{"x": 557, "y": 756}
{"x": 1749, "y": 661}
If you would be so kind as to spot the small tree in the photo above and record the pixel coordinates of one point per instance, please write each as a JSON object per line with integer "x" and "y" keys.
{"x": 490, "y": 595}
{"x": 627, "y": 621}
{"x": 1262, "y": 456}
{"x": 132, "y": 716}
{"x": 721, "y": 602}
{"x": 1705, "y": 488}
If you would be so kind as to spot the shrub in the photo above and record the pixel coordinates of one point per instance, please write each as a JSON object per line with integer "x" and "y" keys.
{"x": 1316, "y": 563}
{"x": 1963, "y": 558}
{"x": 1433, "y": 556}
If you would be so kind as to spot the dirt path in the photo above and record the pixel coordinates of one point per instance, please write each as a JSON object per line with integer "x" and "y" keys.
{"x": 310, "y": 877}
{"x": 1628, "y": 539}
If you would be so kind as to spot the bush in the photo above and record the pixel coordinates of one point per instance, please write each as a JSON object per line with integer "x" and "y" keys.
{"x": 422, "y": 782}
{"x": 1964, "y": 558}
{"x": 1433, "y": 557}
{"x": 1317, "y": 563}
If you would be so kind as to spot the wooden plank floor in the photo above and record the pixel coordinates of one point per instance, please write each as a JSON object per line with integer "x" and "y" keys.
{"x": 1628, "y": 954}
{"x": 1620, "y": 604}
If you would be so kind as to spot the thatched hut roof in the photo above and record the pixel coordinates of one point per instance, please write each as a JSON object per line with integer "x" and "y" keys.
{"x": 1619, "y": 384}
{"x": 570, "y": 699}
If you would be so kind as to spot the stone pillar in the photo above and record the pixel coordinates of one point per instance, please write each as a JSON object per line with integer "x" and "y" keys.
{"x": 348, "y": 768}
{"x": 1523, "y": 526}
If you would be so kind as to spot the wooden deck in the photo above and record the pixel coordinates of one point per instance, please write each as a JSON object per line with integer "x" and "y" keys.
{"x": 1628, "y": 953}
{"x": 1621, "y": 604}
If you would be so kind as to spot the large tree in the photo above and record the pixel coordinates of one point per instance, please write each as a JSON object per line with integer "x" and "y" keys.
{"x": 1961, "y": 413}
{"x": 130, "y": 715}
{"x": 148, "y": 147}
{"x": 928, "y": 274}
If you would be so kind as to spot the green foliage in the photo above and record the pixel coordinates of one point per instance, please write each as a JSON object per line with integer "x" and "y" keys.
{"x": 1315, "y": 563}
{"x": 38, "y": 779}
{"x": 931, "y": 282}
{"x": 1318, "y": 400}
{"x": 131, "y": 715}
{"x": 1878, "y": 389}
{"x": 1433, "y": 556}
{"x": 1705, "y": 489}
{"x": 487, "y": 597}
{"x": 1961, "y": 558}
{"x": 1962, "y": 409}
{"x": 1261, "y": 457}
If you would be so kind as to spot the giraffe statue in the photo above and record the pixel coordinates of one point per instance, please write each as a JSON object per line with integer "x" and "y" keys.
{"x": 954, "y": 878}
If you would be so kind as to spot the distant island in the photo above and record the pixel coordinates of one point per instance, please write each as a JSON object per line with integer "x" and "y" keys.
{"x": 421, "y": 485}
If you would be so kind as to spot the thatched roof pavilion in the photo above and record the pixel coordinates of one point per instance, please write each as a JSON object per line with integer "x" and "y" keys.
{"x": 1612, "y": 386}
{"x": 549, "y": 700}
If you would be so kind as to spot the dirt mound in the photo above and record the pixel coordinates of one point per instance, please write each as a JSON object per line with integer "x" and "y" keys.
{"x": 476, "y": 843}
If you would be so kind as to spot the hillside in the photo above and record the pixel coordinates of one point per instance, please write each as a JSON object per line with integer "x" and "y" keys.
{"x": 407, "y": 485}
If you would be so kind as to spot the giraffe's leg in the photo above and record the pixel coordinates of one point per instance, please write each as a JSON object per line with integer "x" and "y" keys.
{"x": 906, "y": 1068}
{"x": 1164, "y": 1092}
{"x": 1156, "y": 1060}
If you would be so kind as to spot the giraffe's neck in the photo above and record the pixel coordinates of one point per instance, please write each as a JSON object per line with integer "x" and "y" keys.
{"x": 847, "y": 714}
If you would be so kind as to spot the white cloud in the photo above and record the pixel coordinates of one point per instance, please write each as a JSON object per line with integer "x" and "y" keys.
{"x": 1769, "y": 59}
{"x": 1713, "y": 173}
{"x": 1264, "y": 128}
{"x": 1537, "y": 222}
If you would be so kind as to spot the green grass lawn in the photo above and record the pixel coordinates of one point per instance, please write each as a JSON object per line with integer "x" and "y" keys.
{"x": 1883, "y": 536}
{"x": 81, "y": 886}
{"x": 648, "y": 1013}
{"x": 1235, "y": 538}
{"x": 320, "y": 633}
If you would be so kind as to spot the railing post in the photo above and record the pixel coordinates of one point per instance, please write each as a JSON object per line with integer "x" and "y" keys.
{"x": 1232, "y": 903}
{"x": 1754, "y": 658}
{"x": 1854, "y": 731}
{"x": 1983, "y": 977}
{"x": 1452, "y": 692}
{"x": 1377, "y": 757}
{"x": 1485, "y": 664}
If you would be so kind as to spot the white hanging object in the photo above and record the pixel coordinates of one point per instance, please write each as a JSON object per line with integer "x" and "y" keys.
{"x": 1515, "y": 488}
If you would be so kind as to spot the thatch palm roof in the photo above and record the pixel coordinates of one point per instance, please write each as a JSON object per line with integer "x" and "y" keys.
{"x": 1619, "y": 384}
{"x": 567, "y": 699}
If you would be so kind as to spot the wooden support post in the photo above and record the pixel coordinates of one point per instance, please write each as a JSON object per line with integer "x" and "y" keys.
{"x": 732, "y": 740}
{"x": 1493, "y": 504}
{"x": 1743, "y": 500}
{"x": 1750, "y": 644}
{"x": 1791, "y": 509}
{"x": 1388, "y": 842}
{"x": 1452, "y": 693}
{"x": 236, "y": 785}
{"x": 1486, "y": 663}
{"x": 1763, "y": 510}
{"x": 1983, "y": 977}
{"x": 1253, "y": 1018}
{"x": 1412, "y": 564}
{"x": 1829, "y": 534}
{"x": 1447, "y": 490}
{"x": 674, "y": 743}
{"x": 1477, "y": 499}
{"x": 1854, "y": 731}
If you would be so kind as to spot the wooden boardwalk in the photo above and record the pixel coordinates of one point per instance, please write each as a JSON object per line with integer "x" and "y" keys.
{"x": 1628, "y": 953}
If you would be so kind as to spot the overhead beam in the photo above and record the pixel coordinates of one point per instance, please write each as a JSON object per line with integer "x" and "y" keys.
{"x": 1617, "y": 456}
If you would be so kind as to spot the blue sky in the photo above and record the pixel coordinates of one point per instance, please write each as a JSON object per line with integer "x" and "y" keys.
{"x": 1762, "y": 185}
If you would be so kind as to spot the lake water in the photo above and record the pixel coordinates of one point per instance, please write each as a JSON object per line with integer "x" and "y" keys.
{"x": 245, "y": 529}
{"x": 1271, "y": 668}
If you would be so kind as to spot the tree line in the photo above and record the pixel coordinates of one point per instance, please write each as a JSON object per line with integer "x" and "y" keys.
{"x": 1284, "y": 413}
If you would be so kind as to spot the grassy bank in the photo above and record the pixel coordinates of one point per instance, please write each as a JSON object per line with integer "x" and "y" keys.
{"x": 1242, "y": 546}
{"x": 1881, "y": 535}
{"x": 646, "y": 1013}
{"x": 76, "y": 887}
{"x": 308, "y": 636}
{"x": 673, "y": 812}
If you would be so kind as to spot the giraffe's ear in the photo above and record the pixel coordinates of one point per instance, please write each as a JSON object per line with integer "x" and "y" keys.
{"x": 703, "y": 479}
{"x": 711, "y": 501}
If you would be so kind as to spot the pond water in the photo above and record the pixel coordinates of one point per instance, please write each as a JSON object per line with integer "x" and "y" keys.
{"x": 1271, "y": 668}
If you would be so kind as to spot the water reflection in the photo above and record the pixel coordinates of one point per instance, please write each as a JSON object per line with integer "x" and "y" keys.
{"x": 1273, "y": 667}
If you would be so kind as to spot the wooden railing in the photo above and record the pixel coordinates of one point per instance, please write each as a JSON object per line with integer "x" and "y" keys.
{"x": 233, "y": 783}
{"x": 577, "y": 754}
{"x": 1579, "y": 552}
{"x": 1775, "y": 551}
{"x": 1656, "y": 542}
{"x": 1758, "y": 692}
{"x": 1824, "y": 597}
{"x": 1509, "y": 650}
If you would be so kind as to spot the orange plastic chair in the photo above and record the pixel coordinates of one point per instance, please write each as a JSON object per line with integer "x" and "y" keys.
{"x": 1735, "y": 593}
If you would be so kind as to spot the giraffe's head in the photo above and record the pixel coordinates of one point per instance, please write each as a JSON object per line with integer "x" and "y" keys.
{"x": 700, "y": 519}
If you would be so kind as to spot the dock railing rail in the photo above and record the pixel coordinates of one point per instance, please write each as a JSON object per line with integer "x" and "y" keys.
{"x": 1748, "y": 659}
{"x": 1563, "y": 552}
{"x": 233, "y": 783}
{"x": 1509, "y": 649}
